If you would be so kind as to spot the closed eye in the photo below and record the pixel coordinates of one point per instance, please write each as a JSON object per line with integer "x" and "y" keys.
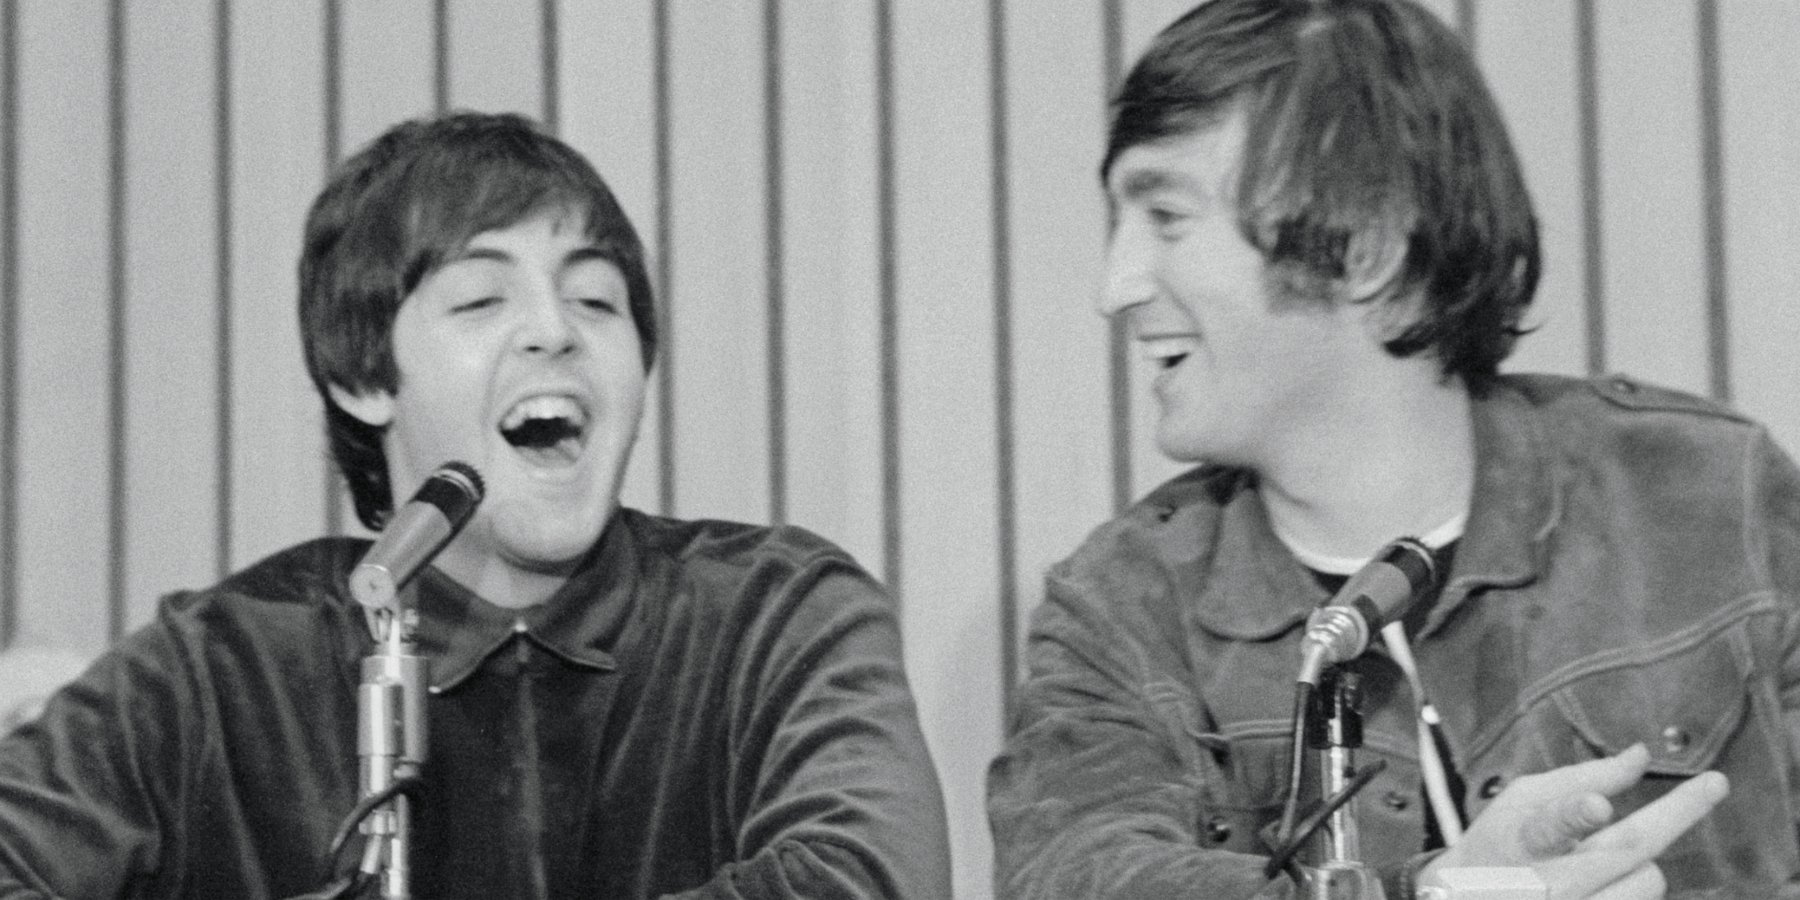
{"x": 475, "y": 305}
{"x": 1163, "y": 217}
{"x": 1170, "y": 224}
{"x": 598, "y": 304}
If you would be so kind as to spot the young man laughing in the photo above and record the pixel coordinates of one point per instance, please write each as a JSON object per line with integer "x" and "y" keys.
{"x": 620, "y": 705}
{"x": 1323, "y": 241}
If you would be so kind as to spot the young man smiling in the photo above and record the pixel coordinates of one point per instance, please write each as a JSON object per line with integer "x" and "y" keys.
{"x": 1321, "y": 238}
{"x": 519, "y": 355}
{"x": 621, "y": 705}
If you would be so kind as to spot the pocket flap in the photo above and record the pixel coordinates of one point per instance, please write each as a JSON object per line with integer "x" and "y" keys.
{"x": 1682, "y": 706}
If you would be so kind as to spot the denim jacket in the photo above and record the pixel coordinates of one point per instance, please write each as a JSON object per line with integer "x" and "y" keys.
{"x": 1629, "y": 573}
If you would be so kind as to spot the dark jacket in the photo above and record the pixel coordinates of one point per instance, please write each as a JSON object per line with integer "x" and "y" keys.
{"x": 704, "y": 709}
{"x": 1630, "y": 572}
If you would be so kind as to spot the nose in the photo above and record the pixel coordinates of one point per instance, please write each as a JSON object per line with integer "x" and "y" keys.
{"x": 544, "y": 325}
{"x": 1130, "y": 270}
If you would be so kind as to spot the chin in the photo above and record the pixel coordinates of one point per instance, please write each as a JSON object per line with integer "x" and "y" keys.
{"x": 544, "y": 540}
{"x": 1181, "y": 448}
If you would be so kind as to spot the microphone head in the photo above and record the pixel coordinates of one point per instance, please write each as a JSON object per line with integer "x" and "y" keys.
{"x": 455, "y": 489}
{"x": 415, "y": 533}
{"x": 1380, "y": 592}
{"x": 1388, "y": 585}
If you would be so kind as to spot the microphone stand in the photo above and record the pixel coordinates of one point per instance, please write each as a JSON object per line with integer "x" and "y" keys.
{"x": 390, "y": 739}
{"x": 1335, "y": 731}
{"x": 390, "y": 701}
{"x": 1328, "y": 717}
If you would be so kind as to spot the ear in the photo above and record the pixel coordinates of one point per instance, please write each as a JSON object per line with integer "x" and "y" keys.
{"x": 375, "y": 408}
{"x": 1372, "y": 267}
{"x": 1372, "y": 263}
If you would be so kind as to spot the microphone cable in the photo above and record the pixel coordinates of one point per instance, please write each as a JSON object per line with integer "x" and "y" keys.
{"x": 1431, "y": 737}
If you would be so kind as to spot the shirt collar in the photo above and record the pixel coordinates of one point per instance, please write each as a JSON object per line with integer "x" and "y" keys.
{"x": 580, "y": 624}
{"x": 1516, "y": 505}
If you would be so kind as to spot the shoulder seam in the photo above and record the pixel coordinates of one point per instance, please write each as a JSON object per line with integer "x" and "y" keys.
{"x": 1628, "y": 393}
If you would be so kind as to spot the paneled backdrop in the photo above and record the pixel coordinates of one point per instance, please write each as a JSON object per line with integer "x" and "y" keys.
{"x": 877, "y": 232}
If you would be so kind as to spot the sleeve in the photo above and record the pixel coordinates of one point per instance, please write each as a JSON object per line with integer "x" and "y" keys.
{"x": 1093, "y": 795}
{"x": 79, "y": 795}
{"x": 1773, "y": 489}
{"x": 833, "y": 791}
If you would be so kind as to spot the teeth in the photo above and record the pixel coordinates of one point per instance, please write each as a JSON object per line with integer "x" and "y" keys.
{"x": 1164, "y": 349}
{"x": 544, "y": 407}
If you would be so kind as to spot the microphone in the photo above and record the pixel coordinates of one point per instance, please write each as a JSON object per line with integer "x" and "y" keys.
{"x": 415, "y": 534}
{"x": 1378, "y": 593}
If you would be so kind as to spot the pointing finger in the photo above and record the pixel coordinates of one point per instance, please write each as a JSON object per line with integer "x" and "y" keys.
{"x": 1633, "y": 843}
{"x": 1650, "y": 830}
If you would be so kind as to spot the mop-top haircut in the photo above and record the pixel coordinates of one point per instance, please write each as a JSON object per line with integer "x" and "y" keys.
{"x": 404, "y": 205}
{"x": 1369, "y": 134}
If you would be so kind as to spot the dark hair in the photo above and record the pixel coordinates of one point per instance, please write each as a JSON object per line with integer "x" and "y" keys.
{"x": 398, "y": 209}
{"x": 1368, "y": 131}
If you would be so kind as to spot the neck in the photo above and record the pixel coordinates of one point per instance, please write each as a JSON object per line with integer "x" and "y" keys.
{"x": 498, "y": 580}
{"x": 512, "y": 588}
{"x": 1396, "y": 459}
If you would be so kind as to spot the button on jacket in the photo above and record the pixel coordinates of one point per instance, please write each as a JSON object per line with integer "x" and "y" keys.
{"x": 703, "y": 710}
{"x": 1630, "y": 573}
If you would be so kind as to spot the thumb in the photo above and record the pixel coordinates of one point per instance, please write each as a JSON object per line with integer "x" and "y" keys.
{"x": 1564, "y": 825}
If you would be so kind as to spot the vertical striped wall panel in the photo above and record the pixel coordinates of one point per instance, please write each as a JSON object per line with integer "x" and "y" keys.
{"x": 877, "y": 232}
{"x": 387, "y": 61}
{"x": 9, "y": 317}
{"x": 274, "y": 149}
{"x": 944, "y": 346}
{"x": 168, "y": 326}
{"x": 1654, "y": 285}
{"x": 719, "y": 303}
{"x": 68, "y": 399}
{"x": 1760, "y": 113}
{"x": 1528, "y": 55}
{"x": 1057, "y": 421}
{"x": 493, "y": 55}
{"x": 827, "y": 233}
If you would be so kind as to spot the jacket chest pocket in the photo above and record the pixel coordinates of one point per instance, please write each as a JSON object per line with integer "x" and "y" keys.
{"x": 1683, "y": 705}
{"x": 1238, "y": 772}
{"x": 1699, "y": 707}
{"x": 1245, "y": 782}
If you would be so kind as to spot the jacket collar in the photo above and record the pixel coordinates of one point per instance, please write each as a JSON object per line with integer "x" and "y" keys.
{"x": 579, "y": 624}
{"x": 1246, "y": 560}
{"x": 1516, "y": 505}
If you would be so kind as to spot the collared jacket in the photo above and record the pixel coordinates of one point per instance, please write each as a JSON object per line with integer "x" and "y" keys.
{"x": 1629, "y": 573}
{"x": 704, "y": 710}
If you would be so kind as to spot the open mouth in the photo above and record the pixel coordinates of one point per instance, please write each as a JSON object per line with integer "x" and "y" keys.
{"x": 547, "y": 430}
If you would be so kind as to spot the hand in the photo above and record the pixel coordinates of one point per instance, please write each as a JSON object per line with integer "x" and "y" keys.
{"x": 1556, "y": 822}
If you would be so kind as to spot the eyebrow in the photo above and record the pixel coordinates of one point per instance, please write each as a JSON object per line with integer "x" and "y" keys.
{"x": 1140, "y": 183}
{"x": 588, "y": 252}
{"x": 579, "y": 254}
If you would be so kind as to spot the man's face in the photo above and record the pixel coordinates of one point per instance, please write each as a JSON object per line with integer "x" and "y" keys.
{"x": 1241, "y": 374}
{"x": 518, "y": 356}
